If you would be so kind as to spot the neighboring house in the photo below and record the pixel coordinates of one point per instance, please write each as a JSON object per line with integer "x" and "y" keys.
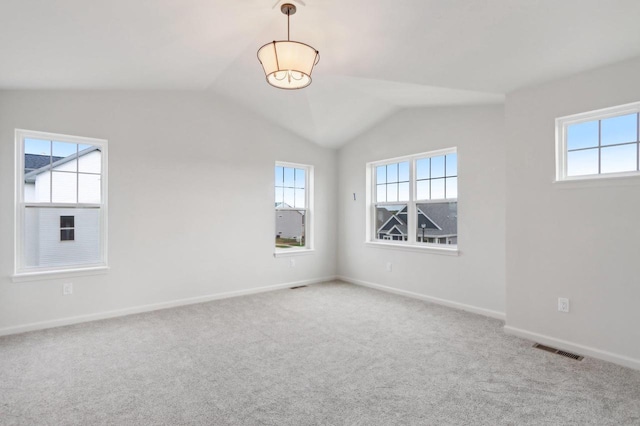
{"x": 34, "y": 162}
{"x": 289, "y": 223}
{"x": 59, "y": 234}
{"x": 437, "y": 223}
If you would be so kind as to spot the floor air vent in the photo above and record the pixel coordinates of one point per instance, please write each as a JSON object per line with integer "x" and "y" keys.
{"x": 297, "y": 287}
{"x": 558, "y": 351}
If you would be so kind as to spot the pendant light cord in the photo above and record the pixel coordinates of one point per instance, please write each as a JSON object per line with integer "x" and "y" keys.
{"x": 288, "y": 16}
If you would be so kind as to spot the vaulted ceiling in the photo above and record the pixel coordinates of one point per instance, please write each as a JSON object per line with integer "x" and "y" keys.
{"x": 377, "y": 56}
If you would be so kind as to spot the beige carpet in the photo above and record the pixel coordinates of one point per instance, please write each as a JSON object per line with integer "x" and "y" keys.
{"x": 329, "y": 354}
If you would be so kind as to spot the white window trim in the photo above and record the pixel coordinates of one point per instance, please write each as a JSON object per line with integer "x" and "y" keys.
{"x": 561, "y": 141}
{"x": 41, "y": 273}
{"x": 309, "y": 247}
{"x": 411, "y": 244}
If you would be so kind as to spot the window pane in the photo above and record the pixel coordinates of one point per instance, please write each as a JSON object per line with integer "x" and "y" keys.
{"x": 67, "y": 221}
{"x": 299, "y": 199}
{"x": 290, "y": 228}
{"x": 452, "y": 164}
{"x": 392, "y": 172}
{"x": 42, "y": 245}
{"x": 403, "y": 191}
{"x": 38, "y": 147}
{"x": 67, "y": 235}
{"x": 63, "y": 187}
{"x": 389, "y": 223}
{"x": 619, "y": 159}
{"x": 288, "y": 177}
{"x": 89, "y": 159}
{"x": 37, "y": 178}
{"x": 403, "y": 172}
{"x": 381, "y": 174}
{"x": 422, "y": 190}
{"x": 582, "y": 162}
{"x": 437, "y": 166}
{"x": 437, "y": 189}
{"x": 452, "y": 187}
{"x": 289, "y": 195}
{"x": 64, "y": 156}
{"x": 392, "y": 192}
{"x": 437, "y": 223}
{"x": 422, "y": 168}
{"x": 582, "y": 135}
{"x": 299, "y": 175}
{"x": 619, "y": 129}
{"x": 381, "y": 195}
{"x": 279, "y": 176}
{"x": 279, "y": 196}
{"x": 89, "y": 189}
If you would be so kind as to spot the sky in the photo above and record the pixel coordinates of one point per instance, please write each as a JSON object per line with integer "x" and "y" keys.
{"x": 436, "y": 178}
{"x": 290, "y": 186}
{"x": 45, "y": 147}
{"x": 597, "y": 142}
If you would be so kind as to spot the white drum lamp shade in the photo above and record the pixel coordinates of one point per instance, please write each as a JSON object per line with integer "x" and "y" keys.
{"x": 288, "y": 64}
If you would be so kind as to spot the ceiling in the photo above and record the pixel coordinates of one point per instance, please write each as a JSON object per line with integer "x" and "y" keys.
{"x": 376, "y": 56}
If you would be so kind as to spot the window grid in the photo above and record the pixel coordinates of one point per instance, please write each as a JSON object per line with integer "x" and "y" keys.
{"x": 296, "y": 190}
{"x": 599, "y": 144}
{"x": 292, "y": 206}
{"x": 445, "y": 178}
{"x": 400, "y": 184}
{"x": 403, "y": 213}
{"x": 91, "y": 252}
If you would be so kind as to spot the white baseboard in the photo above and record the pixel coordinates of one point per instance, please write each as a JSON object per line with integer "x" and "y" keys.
{"x": 574, "y": 347}
{"x": 449, "y": 303}
{"x": 152, "y": 307}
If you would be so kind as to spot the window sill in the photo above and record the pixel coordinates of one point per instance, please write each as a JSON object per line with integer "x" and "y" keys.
{"x": 617, "y": 179}
{"x": 293, "y": 252}
{"x": 415, "y": 248}
{"x": 63, "y": 273}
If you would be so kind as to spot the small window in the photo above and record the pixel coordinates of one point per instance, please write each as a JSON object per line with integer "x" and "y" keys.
{"x": 596, "y": 144}
{"x": 67, "y": 228}
{"x": 415, "y": 199}
{"x": 293, "y": 198}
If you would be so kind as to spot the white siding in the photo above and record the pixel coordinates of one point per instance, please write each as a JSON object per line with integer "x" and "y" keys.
{"x": 43, "y": 245}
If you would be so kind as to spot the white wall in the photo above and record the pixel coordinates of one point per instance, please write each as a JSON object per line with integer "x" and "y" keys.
{"x": 575, "y": 240}
{"x": 190, "y": 189}
{"x": 474, "y": 278}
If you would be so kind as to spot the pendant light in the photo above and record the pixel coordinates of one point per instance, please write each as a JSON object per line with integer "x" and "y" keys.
{"x": 288, "y": 64}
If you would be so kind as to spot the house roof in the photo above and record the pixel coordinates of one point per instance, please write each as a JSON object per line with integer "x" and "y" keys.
{"x": 31, "y": 176}
{"x": 441, "y": 219}
{"x": 36, "y": 161}
{"x": 444, "y": 215}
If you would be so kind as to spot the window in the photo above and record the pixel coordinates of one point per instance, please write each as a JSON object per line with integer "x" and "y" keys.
{"x": 414, "y": 200}
{"x": 598, "y": 144}
{"x": 293, "y": 198}
{"x": 61, "y": 213}
{"x": 67, "y": 231}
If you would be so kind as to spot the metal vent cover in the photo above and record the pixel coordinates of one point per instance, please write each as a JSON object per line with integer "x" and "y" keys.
{"x": 558, "y": 351}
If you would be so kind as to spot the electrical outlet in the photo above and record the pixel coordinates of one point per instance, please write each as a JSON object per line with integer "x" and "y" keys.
{"x": 389, "y": 267}
{"x": 292, "y": 263}
{"x": 563, "y": 304}
{"x": 67, "y": 289}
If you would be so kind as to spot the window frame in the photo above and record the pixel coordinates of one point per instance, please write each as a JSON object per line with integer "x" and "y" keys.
{"x": 561, "y": 147}
{"x": 411, "y": 244}
{"x": 23, "y": 273}
{"x": 308, "y": 247}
